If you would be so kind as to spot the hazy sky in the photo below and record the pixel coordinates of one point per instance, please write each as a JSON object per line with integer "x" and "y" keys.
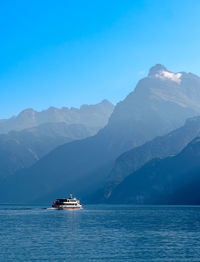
{"x": 70, "y": 52}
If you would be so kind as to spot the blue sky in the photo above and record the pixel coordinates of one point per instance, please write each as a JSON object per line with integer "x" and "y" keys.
{"x": 66, "y": 53}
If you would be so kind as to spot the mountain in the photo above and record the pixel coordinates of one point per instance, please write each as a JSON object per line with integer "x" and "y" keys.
{"x": 160, "y": 147}
{"x": 160, "y": 103}
{"x": 91, "y": 116}
{"x": 172, "y": 180}
{"x": 20, "y": 149}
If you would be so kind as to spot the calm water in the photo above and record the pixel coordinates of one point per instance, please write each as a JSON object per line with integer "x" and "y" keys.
{"x": 102, "y": 233}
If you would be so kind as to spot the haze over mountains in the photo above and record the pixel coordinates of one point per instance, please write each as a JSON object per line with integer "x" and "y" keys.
{"x": 92, "y": 117}
{"x": 50, "y": 128}
{"x": 160, "y": 103}
{"x": 20, "y": 149}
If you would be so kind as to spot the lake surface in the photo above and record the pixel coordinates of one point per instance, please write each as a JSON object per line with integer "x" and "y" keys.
{"x": 100, "y": 233}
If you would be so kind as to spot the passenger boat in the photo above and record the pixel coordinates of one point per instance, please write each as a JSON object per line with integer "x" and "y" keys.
{"x": 70, "y": 203}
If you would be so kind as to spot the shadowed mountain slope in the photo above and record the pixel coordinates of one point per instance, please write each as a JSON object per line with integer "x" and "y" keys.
{"x": 20, "y": 149}
{"x": 164, "y": 181}
{"x": 160, "y": 147}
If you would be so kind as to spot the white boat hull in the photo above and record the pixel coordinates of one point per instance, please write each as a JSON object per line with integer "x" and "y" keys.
{"x": 68, "y": 208}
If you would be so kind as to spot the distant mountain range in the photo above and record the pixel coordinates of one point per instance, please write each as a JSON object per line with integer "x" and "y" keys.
{"x": 160, "y": 103}
{"x": 20, "y": 149}
{"x": 93, "y": 117}
{"x": 172, "y": 180}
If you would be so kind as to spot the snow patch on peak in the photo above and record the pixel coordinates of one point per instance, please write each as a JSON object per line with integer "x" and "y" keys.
{"x": 165, "y": 75}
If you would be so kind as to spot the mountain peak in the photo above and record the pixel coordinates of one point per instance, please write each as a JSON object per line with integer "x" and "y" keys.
{"x": 28, "y": 111}
{"x": 105, "y": 101}
{"x": 159, "y": 71}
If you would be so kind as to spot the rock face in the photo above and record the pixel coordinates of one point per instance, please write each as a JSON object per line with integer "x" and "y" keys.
{"x": 160, "y": 103}
{"x": 172, "y": 180}
{"x": 91, "y": 116}
{"x": 160, "y": 147}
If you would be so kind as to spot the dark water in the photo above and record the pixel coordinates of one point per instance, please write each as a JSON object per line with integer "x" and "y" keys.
{"x": 102, "y": 233}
